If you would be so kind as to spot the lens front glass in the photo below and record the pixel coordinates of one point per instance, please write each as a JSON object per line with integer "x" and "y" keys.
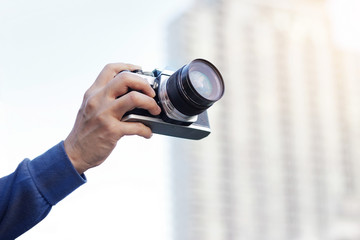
{"x": 201, "y": 83}
{"x": 205, "y": 80}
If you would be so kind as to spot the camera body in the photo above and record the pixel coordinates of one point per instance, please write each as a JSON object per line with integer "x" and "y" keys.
{"x": 197, "y": 128}
{"x": 183, "y": 96}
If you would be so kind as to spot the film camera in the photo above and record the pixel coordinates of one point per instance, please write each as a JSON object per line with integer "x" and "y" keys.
{"x": 183, "y": 96}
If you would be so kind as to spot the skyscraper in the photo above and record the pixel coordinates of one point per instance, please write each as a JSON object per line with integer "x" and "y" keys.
{"x": 282, "y": 161}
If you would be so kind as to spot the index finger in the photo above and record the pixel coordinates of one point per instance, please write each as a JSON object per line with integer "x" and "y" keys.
{"x": 111, "y": 70}
{"x": 126, "y": 81}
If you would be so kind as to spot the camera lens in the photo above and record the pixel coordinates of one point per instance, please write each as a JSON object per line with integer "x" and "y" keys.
{"x": 201, "y": 83}
{"x": 205, "y": 80}
{"x": 195, "y": 87}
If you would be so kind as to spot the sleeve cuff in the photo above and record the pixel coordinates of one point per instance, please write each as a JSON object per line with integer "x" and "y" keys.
{"x": 54, "y": 174}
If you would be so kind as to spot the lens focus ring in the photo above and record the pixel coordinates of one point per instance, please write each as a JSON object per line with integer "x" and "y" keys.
{"x": 170, "y": 111}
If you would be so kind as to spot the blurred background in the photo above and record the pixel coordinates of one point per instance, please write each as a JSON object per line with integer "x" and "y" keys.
{"x": 282, "y": 161}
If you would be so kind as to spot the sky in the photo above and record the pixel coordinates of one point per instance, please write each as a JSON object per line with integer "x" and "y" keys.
{"x": 50, "y": 53}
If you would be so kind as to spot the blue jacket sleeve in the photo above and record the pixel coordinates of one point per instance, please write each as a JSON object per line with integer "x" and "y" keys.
{"x": 27, "y": 195}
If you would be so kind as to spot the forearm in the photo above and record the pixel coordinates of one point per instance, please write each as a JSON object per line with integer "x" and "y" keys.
{"x": 27, "y": 195}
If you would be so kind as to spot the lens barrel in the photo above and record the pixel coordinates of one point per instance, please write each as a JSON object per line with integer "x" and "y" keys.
{"x": 195, "y": 87}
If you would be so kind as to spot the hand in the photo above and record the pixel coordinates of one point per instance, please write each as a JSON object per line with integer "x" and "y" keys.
{"x": 98, "y": 127}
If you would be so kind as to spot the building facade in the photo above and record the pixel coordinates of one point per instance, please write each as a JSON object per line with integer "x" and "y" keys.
{"x": 282, "y": 161}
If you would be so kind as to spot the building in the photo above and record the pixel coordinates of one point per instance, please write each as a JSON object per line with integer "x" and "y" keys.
{"x": 282, "y": 161}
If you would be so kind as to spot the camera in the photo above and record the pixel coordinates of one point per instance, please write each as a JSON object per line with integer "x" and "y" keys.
{"x": 184, "y": 96}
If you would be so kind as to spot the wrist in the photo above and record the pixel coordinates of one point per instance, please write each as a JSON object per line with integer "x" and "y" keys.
{"x": 74, "y": 157}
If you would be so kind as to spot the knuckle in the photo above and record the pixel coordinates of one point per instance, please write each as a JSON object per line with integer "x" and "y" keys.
{"x": 87, "y": 95}
{"x": 124, "y": 75}
{"x": 91, "y": 104}
{"x": 109, "y": 67}
{"x": 134, "y": 97}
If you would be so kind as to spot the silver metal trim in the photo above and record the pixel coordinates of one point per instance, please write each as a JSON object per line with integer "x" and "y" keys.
{"x": 170, "y": 111}
{"x": 157, "y": 125}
